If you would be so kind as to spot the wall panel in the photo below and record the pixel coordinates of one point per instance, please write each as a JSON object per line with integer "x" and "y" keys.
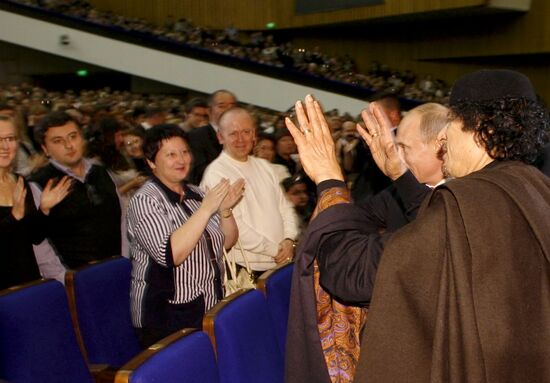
{"x": 254, "y": 14}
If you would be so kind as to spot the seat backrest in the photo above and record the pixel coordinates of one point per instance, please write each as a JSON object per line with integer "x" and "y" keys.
{"x": 37, "y": 339}
{"x": 100, "y": 295}
{"x": 277, "y": 284}
{"x": 244, "y": 340}
{"x": 185, "y": 356}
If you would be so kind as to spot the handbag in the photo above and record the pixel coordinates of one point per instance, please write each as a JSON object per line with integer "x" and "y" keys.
{"x": 243, "y": 279}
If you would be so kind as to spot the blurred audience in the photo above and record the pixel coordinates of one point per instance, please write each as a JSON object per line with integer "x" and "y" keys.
{"x": 265, "y": 148}
{"x": 196, "y": 114}
{"x": 260, "y": 47}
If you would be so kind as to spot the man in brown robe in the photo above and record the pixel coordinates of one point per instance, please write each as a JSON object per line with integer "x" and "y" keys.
{"x": 463, "y": 293}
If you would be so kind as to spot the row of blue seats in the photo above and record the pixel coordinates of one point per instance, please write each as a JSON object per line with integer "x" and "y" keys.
{"x": 38, "y": 342}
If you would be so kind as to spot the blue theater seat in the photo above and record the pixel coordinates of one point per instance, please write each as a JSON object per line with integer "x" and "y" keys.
{"x": 244, "y": 339}
{"x": 276, "y": 284}
{"x": 183, "y": 357}
{"x": 99, "y": 296}
{"x": 37, "y": 339}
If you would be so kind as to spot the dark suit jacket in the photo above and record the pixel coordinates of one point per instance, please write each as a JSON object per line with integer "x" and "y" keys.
{"x": 205, "y": 148}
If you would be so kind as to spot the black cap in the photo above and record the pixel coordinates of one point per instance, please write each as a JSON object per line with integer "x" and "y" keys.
{"x": 491, "y": 84}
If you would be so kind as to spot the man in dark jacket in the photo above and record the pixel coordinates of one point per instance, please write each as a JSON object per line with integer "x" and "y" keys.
{"x": 86, "y": 225}
{"x": 203, "y": 141}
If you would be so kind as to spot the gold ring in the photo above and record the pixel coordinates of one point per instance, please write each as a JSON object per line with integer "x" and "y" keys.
{"x": 375, "y": 135}
{"x": 307, "y": 130}
{"x": 288, "y": 258}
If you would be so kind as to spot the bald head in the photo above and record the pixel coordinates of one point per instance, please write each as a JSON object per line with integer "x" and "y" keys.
{"x": 237, "y": 133}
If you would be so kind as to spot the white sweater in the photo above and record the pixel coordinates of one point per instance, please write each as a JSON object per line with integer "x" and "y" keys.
{"x": 264, "y": 216}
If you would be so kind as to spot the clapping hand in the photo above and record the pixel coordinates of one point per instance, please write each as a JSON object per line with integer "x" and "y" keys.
{"x": 234, "y": 195}
{"x": 52, "y": 195}
{"x": 214, "y": 197}
{"x": 315, "y": 142}
{"x": 19, "y": 194}
{"x": 378, "y": 136}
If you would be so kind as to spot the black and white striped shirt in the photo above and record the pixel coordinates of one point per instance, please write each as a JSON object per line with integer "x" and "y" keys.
{"x": 154, "y": 213}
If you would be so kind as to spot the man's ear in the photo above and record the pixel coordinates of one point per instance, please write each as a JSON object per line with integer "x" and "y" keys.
{"x": 45, "y": 150}
{"x": 220, "y": 138}
{"x": 151, "y": 164}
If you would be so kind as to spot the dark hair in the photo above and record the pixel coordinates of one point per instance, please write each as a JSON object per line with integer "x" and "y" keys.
{"x": 101, "y": 143}
{"x": 196, "y": 102}
{"x": 135, "y": 132}
{"x": 510, "y": 128}
{"x": 52, "y": 120}
{"x": 138, "y": 112}
{"x": 289, "y": 182}
{"x": 157, "y": 134}
{"x": 283, "y": 132}
{"x": 262, "y": 136}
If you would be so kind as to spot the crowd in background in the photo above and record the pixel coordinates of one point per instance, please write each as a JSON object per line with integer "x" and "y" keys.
{"x": 261, "y": 47}
{"x": 102, "y": 113}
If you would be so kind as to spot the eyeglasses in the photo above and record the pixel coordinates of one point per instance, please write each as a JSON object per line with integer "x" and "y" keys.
{"x": 10, "y": 140}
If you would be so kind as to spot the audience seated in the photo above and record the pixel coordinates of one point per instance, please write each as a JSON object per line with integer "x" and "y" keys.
{"x": 258, "y": 47}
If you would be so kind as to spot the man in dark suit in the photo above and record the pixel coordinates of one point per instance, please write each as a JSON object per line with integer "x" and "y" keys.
{"x": 204, "y": 141}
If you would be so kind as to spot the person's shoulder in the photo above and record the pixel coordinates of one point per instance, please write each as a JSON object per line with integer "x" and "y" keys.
{"x": 217, "y": 164}
{"x": 43, "y": 174}
{"x": 149, "y": 190}
{"x": 262, "y": 163}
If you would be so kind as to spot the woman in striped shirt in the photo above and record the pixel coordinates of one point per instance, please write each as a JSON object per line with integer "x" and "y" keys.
{"x": 176, "y": 235}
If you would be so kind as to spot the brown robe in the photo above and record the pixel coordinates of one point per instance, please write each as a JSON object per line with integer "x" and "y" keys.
{"x": 462, "y": 294}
